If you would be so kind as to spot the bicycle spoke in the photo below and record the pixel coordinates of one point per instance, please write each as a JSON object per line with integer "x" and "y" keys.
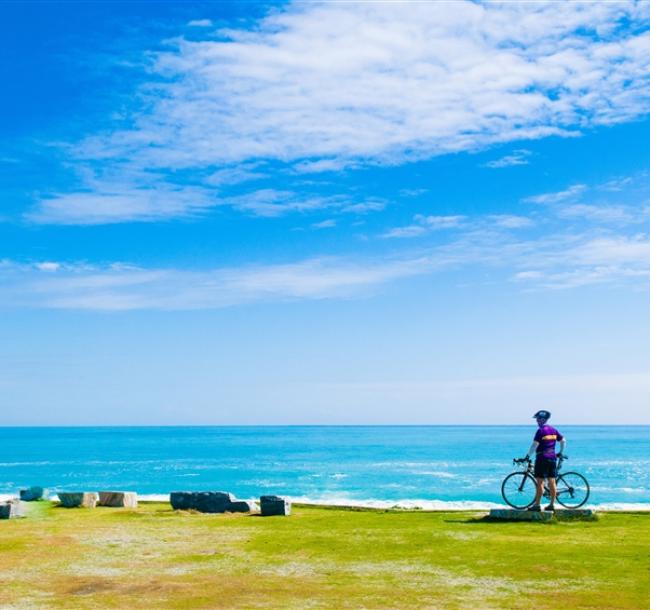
{"x": 572, "y": 490}
{"x": 518, "y": 490}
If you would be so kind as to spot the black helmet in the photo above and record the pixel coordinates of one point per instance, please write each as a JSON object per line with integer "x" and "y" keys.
{"x": 542, "y": 415}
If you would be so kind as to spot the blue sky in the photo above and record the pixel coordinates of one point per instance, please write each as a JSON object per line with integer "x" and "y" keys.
{"x": 324, "y": 212}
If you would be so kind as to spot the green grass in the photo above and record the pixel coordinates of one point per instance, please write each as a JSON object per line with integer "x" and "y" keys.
{"x": 153, "y": 557}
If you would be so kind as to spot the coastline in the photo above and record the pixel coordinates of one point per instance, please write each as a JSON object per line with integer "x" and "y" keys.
{"x": 405, "y": 504}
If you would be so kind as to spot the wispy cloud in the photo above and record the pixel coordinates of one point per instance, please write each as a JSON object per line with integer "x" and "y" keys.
{"x": 321, "y": 86}
{"x": 425, "y": 224}
{"x": 559, "y": 261}
{"x": 116, "y": 203}
{"x": 556, "y": 197}
{"x": 372, "y": 81}
{"x": 588, "y": 261}
{"x": 510, "y": 221}
{"x": 518, "y": 157}
{"x": 273, "y": 203}
{"x": 599, "y": 213}
{"x": 324, "y": 224}
{"x": 122, "y": 287}
{"x": 200, "y": 23}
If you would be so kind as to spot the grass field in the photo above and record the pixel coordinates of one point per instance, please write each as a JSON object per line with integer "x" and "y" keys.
{"x": 154, "y": 557}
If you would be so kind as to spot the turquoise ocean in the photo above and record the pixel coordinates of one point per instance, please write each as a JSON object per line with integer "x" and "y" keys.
{"x": 427, "y": 466}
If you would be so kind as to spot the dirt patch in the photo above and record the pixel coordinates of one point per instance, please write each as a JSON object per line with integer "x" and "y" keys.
{"x": 89, "y": 586}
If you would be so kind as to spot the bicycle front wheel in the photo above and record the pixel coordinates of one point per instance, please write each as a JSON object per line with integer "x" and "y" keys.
{"x": 518, "y": 490}
{"x": 572, "y": 490}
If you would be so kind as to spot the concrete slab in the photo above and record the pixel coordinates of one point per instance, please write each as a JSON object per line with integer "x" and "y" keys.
{"x": 511, "y": 514}
{"x": 580, "y": 514}
{"x": 79, "y": 499}
{"x": 121, "y": 499}
{"x": 12, "y": 509}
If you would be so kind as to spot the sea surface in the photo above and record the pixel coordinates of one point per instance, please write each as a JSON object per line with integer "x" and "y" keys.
{"x": 426, "y": 466}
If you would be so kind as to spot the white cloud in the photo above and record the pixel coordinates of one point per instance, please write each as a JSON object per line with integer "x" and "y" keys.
{"x": 235, "y": 175}
{"x": 200, "y": 23}
{"x": 272, "y": 203}
{"x": 518, "y": 157}
{"x": 364, "y": 207}
{"x": 123, "y": 287}
{"x": 585, "y": 260}
{"x": 324, "y": 224}
{"x": 572, "y": 192}
{"x": 558, "y": 261}
{"x": 320, "y": 86}
{"x": 317, "y": 167}
{"x": 598, "y": 213}
{"x": 112, "y": 203}
{"x": 408, "y": 231}
{"x": 424, "y": 224}
{"x": 374, "y": 81}
{"x": 48, "y": 266}
{"x": 510, "y": 221}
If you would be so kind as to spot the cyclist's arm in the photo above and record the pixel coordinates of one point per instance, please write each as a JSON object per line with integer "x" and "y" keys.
{"x": 533, "y": 448}
{"x": 562, "y": 444}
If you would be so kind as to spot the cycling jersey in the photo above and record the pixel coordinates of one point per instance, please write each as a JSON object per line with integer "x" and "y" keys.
{"x": 547, "y": 436}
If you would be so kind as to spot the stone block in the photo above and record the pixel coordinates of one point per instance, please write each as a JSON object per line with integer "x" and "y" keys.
{"x": 274, "y": 505}
{"x": 579, "y": 514}
{"x": 201, "y": 501}
{"x": 32, "y": 494}
{"x": 563, "y": 514}
{"x": 510, "y": 514}
{"x": 78, "y": 499}
{"x": 242, "y": 506}
{"x": 12, "y": 509}
{"x": 118, "y": 499}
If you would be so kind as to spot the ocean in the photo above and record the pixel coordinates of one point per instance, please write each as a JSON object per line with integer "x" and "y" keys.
{"x": 411, "y": 466}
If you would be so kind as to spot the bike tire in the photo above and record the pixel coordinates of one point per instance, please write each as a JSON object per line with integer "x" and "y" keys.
{"x": 573, "y": 485}
{"x": 519, "y": 493}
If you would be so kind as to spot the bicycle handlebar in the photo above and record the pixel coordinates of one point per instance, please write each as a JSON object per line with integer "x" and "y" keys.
{"x": 527, "y": 460}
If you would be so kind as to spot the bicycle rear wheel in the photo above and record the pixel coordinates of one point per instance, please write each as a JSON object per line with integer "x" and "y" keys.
{"x": 572, "y": 490}
{"x": 518, "y": 490}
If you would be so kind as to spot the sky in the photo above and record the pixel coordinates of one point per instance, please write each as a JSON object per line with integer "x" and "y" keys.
{"x": 324, "y": 213}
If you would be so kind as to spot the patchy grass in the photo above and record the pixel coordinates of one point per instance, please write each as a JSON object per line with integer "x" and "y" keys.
{"x": 153, "y": 557}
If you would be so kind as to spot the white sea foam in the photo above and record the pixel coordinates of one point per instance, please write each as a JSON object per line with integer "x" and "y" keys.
{"x": 439, "y": 474}
{"x": 406, "y": 504}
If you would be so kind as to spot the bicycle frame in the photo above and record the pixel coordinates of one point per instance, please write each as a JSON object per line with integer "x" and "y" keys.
{"x": 546, "y": 493}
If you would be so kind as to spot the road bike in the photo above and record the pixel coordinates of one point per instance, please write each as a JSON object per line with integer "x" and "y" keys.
{"x": 518, "y": 488}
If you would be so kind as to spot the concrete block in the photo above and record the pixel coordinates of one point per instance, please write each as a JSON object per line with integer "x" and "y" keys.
{"x": 561, "y": 514}
{"x": 274, "y": 505}
{"x": 12, "y": 509}
{"x": 201, "y": 501}
{"x": 78, "y": 499}
{"x": 579, "y": 514}
{"x": 510, "y": 514}
{"x": 32, "y": 494}
{"x": 242, "y": 506}
{"x": 119, "y": 499}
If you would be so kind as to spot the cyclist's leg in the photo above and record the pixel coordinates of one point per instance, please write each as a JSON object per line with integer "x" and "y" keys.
{"x": 552, "y": 488}
{"x": 539, "y": 491}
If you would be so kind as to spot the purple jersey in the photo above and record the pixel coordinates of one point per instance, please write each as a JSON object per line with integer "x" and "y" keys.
{"x": 547, "y": 436}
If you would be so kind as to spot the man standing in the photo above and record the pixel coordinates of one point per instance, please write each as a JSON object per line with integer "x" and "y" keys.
{"x": 545, "y": 458}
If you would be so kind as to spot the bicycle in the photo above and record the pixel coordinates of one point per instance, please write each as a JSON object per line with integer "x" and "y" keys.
{"x": 518, "y": 488}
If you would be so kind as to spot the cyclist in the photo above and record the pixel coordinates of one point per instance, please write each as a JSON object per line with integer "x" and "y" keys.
{"x": 543, "y": 446}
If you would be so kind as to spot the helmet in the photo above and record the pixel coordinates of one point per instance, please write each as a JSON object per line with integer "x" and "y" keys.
{"x": 542, "y": 415}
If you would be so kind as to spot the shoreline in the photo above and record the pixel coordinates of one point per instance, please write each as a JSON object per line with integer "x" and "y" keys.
{"x": 405, "y": 504}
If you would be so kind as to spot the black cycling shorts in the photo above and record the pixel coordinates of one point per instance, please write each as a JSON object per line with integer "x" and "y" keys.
{"x": 545, "y": 468}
